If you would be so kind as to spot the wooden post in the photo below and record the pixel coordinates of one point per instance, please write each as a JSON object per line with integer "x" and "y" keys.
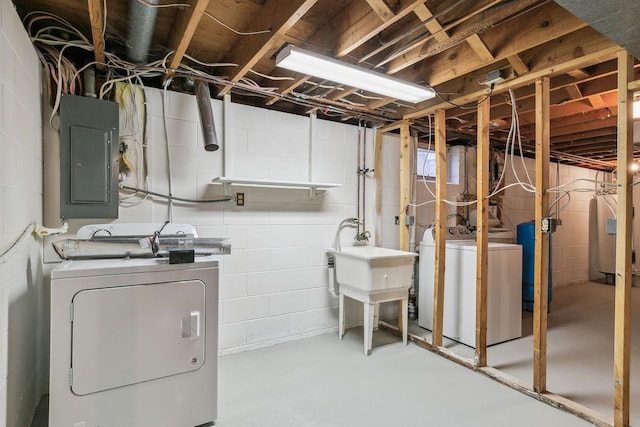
{"x": 405, "y": 197}
{"x": 377, "y": 176}
{"x": 405, "y": 183}
{"x": 541, "y": 264}
{"x": 482, "y": 232}
{"x": 441, "y": 225}
{"x": 622, "y": 331}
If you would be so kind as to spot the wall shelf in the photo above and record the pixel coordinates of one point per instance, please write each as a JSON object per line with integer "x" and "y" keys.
{"x": 315, "y": 188}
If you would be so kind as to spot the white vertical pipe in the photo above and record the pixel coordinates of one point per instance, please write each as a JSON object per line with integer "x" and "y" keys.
{"x": 226, "y": 131}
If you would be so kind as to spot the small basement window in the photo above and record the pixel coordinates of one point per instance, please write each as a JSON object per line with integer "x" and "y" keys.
{"x": 426, "y": 165}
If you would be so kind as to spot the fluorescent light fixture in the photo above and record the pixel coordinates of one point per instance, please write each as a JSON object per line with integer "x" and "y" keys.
{"x": 302, "y": 61}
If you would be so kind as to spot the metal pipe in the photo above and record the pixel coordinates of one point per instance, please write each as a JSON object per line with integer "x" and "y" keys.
{"x": 203, "y": 97}
{"x": 142, "y": 19}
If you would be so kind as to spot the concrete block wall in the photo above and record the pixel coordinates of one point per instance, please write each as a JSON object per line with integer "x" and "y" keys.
{"x": 22, "y": 294}
{"x": 570, "y": 243}
{"x": 273, "y": 284}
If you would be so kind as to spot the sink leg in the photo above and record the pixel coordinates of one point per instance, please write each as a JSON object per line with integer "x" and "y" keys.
{"x": 341, "y": 317}
{"x": 369, "y": 310}
{"x": 405, "y": 317}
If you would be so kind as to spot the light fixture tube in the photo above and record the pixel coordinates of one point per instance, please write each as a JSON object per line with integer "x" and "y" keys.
{"x": 302, "y": 61}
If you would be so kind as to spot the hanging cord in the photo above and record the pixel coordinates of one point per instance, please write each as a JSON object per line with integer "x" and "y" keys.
{"x": 9, "y": 252}
{"x": 166, "y": 139}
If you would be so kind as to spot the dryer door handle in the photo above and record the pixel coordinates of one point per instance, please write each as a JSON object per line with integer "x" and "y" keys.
{"x": 191, "y": 325}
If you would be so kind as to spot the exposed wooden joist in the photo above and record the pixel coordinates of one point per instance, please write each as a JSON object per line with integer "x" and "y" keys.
{"x": 524, "y": 32}
{"x": 381, "y": 9}
{"x": 183, "y": 30}
{"x": 622, "y": 325}
{"x": 578, "y": 74}
{"x": 441, "y": 224}
{"x": 482, "y": 231}
{"x": 278, "y": 15}
{"x": 425, "y": 15}
{"x": 480, "y": 48}
{"x": 573, "y": 91}
{"x": 478, "y": 24}
{"x": 518, "y": 64}
{"x": 541, "y": 263}
{"x": 429, "y": 107}
{"x": 353, "y": 33}
{"x": 96, "y": 16}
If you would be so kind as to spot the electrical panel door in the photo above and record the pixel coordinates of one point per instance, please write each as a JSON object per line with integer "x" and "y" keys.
{"x": 88, "y": 158}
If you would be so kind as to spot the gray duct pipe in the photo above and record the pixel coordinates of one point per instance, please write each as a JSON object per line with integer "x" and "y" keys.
{"x": 203, "y": 97}
{"x": 142, "y": 19}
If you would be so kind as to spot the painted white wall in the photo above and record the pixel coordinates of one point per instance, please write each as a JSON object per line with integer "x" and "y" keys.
{"x": 273, "y": 285}
{"x": 21, "y": 286}
{"x": 570, "y": 243}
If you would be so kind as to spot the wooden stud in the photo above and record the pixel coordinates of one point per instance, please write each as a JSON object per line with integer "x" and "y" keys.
{"x": 441, "y": 227}
{"x": 96, "y": 15}
{"x": 622, "y": 328}
{"x": 541, "y": 263}
{"x": 405, "y": 183}
{"x": 405, "y": 196}
{"x": 482, "y": 231}
{"x": 377, "y": 176}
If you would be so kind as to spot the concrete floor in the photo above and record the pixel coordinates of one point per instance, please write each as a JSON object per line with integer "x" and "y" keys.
{"x": 322, "y": 381}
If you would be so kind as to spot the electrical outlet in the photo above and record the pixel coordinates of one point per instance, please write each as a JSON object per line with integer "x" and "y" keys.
{"x": 239, "y": 199}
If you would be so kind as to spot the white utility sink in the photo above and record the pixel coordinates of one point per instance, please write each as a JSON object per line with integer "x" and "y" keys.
{"x": 372, "y": 276}
{"x": 370, "y": 269}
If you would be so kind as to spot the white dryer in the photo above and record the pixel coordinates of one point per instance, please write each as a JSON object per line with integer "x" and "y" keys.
{"x": 134, "y": 342}
{"x": 504, "y": 293}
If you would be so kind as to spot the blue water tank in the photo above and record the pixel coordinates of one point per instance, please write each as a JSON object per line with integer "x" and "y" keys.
{"x": 526, "y": 236}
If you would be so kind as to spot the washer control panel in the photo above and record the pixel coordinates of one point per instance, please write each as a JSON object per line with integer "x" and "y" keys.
{"x": 452, "y": 233}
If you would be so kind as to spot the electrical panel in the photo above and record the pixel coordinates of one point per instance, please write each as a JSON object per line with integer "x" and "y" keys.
{"x": 88, "y": 158}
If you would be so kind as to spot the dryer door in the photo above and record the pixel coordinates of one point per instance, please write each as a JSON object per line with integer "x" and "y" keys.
{"x": 129, "y": 334}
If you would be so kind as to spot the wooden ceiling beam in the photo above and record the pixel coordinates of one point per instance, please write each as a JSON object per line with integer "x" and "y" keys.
{"x": 421, "y": 50}
{"x": 518, "y": 64}
{"x": 467, "y": 89}
{"x": 381, "y": 9}
{"x": 535, "y": 28}
{"x": 432, "y": 25}
{"x": 278, "y": 15}
{"x": 354, "y": 29}
{"x": 96, "y": 16}
{"x": 184, "y": 28}
{"x": 584, "y": 135}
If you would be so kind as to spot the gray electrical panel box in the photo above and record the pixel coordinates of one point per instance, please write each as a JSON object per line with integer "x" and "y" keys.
{"x": 88, "y": 158}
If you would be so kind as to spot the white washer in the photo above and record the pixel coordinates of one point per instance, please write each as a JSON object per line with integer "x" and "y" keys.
{"x": 134, "y": 342}
{"x": 504, "y": 293}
